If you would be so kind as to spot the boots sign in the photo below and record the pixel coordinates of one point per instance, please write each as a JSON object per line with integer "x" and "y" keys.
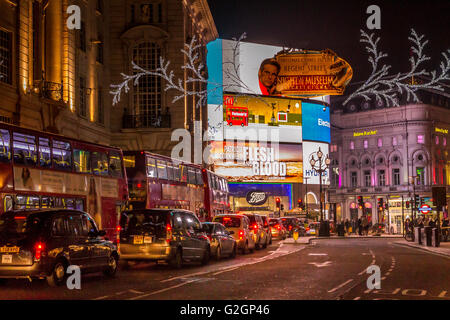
{"x": 256, "y": 198}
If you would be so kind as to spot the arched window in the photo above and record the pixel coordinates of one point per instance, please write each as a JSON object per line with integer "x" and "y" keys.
{"x": 147, "y": 94}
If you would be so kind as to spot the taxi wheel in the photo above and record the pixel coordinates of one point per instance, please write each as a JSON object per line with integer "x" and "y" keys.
{"x": 206, "y": 256}
{"x": 58, "y": 275}
{"x": 110, "y": 271}
{"x": 177, "y": 261}
{"x": 233, "y": 252}
{"x": 218, "y": 252}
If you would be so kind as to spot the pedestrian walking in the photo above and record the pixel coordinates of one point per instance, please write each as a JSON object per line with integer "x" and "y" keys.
{"x": 365, "y": 225}
{"x": 359, "y": 226}
{"x": 354, "y": 226}
{"x": 347, "y": 226}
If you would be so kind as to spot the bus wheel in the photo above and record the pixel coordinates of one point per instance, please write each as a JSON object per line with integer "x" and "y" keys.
{"x": 242, "y": 124}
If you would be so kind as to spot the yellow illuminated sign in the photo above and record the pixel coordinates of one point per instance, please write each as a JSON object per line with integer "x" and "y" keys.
{"x": 440, "y": 130}
{"x": 365, "y": 133}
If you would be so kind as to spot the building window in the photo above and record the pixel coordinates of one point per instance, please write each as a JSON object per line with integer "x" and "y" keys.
{"x": 82, "y": 37}
{"x": 444, "y": 141}
{"x": 5, "y": 57}
{"x": 437, "y": 140}
{"x": 420, "y": 172}
{"x": 420, "y": 139}
{"x": 147, "y": 94}
{"x": 380, "y": 142}
{"x": 100, "y": 49}
{"x": 366, "y": 144}
{"x": 333, "y": 148}
{"x": 82, "y": 93}
{"x": 381, "y": 178}
{"x": 100, "y": 6}
{"x": 335, "y": 177}
{"x": 352, "y": 145}
{"x": 396, "y": 177}
{"x": 354, "y": 179}
{"x": 101, "y": 112}
{"x": 367, "y": 178}
{"x": 394, "y": 141}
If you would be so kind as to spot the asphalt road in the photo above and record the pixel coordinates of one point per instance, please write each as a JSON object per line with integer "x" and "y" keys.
{"x": 327, "y": 269}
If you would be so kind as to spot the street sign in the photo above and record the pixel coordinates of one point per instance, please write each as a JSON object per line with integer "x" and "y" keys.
{"x": 425, "y": 209}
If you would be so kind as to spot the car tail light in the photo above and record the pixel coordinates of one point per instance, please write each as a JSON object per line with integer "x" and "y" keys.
{"x": 290, "y": 228}
{"x": 307, "y": 229}
{"x": 168, "y": 233}
{"x": 38, "y": 251}
{"x": 278, "y": 227}
{"x": 255, "y": 227}
{"x": 210, "y": 238}
{"x": 241, "y": 234}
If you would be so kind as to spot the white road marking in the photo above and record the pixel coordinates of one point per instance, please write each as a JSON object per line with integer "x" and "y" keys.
{"x": 317, "y": 254}
{"x": 387, "y": 273}
{"x": 101, "y": 298}
{"x": 357, "y": 298}
{"x": 162, "y": 290}
{"x": 135, "y": 291}
{"x": 340, "y": 286}
{"x": 320, "y": 265}
{"x": 384, "y": 278}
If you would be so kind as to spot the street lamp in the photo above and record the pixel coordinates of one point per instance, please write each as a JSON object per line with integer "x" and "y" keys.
{"x": 320, "y": 166}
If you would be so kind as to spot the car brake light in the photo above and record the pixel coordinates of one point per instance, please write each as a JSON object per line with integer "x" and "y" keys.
{"x": 278, "y": 227}
{"x": 38, "y": 250}
{"x": 255, "y": 227}
{"x": 241, "y": 234}
{"x": 290, "y": 227}
{"x": 168, "y": 233}
{"x": 119, "y": 228}
{"x": 19, "y": 218}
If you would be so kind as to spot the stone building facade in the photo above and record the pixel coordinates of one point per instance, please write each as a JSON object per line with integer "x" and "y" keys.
{"x": 388, "y": 153}
{"x": 58, "y": 80}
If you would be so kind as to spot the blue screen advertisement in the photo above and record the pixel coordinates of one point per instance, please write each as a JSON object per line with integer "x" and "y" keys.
{"x": 316, "y": 122}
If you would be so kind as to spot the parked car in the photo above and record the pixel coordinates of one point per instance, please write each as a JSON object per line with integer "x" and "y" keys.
{"x": 222, "y": 241}
{"x": 266, "y": 228}
{"x": 171, "y": 235}
{"x": 42, "y": 244}
{"x": 277, "y": 229}
{"x": 239, "y": 224}
{"x": 257, "y": 228}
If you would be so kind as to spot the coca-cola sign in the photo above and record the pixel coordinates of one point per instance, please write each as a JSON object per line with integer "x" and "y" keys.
{"x": 256, "y": 198}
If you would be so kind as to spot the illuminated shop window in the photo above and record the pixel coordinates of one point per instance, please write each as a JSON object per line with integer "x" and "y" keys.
{"x": 420, "y": 139}
{"x": 352, "y": 145}
{"x": 380, "y": 142}
{"x": 366, "y": 144}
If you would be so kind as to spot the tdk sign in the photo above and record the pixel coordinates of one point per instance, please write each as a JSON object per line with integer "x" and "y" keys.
{"x": 323, "y": 123}
{"x": 316, "y": 122}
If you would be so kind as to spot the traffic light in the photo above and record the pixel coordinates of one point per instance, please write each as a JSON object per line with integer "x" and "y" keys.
{"x": 380, "y": 204}
{"x": 416, "y": 201}
{"x": 407, "y": 204}
{"x": 282, "y": 207}
{"x": 277, "y": 202}
{"x": 360, "y": 202}
{"x": 300, "y": 203}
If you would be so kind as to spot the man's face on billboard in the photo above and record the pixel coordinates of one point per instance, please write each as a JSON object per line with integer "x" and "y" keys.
{"x": 268, "y": 75}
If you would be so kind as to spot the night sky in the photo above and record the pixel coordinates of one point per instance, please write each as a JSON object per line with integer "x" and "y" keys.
{"x": 322, "y": 24}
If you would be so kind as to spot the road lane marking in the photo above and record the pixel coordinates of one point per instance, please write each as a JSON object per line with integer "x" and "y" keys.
{"x": 357, "y": 298}
{"x": 135, "y": 291}
{"x": 384, "y": 278}
{"x": 368, "y": 291}
{"x": 162, "y": 290}
{"x": 317, "y": 254}
{"x": 321, "y": 265}
{"x": 101, "y": 298}
{"x": 340, "y": 286}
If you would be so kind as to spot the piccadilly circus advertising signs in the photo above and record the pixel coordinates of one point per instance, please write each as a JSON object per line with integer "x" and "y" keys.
{"x": 256, "y": 198}
{"x": 306, "y": 73}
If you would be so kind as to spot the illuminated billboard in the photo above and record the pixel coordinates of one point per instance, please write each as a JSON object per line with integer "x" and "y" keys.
{"x": 309, "y": 150}
{"x": 256, "y": 118}
{"x": 257, "y": 162}
{"x": 316, "y": 122}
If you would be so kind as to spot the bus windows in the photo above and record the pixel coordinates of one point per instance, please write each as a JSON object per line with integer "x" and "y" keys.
{"x": 79, "y": 204}
{"x": 26, "y": 202}
{"x": 162, "y": 172}
{"x": 115, "y": 164}
{"x": 25, "y": 151}
{"x": 176, "y": 172}
{"x": 82, "y": 161}
{"x": 46, "y": 202}
{"x": 129, "y": 161}
{"x": 99, "y": 163}
{"x": 192, "y": 178}
{"x": 151, "y": 168}
{"x": 62, "y": 155}
{"x": 199, "y": 177}
{"x": 169, "y": 171}
{"x": 45, "y": 160}
{"x": 5, "y": 150}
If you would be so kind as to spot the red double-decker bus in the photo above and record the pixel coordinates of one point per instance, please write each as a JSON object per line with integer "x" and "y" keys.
{"x": 156, "y": 181}
{"x": 39, "y": 170}
{"x": 237, "y": 116}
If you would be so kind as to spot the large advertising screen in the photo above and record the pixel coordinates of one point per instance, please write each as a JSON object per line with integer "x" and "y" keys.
{"x": 310, "y": 150}
{"x": 316, "y": 122}
{"x": 257, "y": 162}
{"x": 256, "y": 118}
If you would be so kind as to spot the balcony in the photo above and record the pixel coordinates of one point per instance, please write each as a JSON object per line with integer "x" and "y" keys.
{"x": 146, "y": 121}
{"x": 382, "y": 189}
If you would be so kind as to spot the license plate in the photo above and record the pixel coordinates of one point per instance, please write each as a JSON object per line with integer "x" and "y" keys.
{"x": 7, "y": 258}
{"x": 148, "y": 239}
{"x": 9, "y": 249}
{"x": 138, "y": 240}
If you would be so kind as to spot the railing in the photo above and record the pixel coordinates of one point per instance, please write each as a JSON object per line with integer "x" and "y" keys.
{"x": 146, "y": 121}
{"x": 383, "y": 189}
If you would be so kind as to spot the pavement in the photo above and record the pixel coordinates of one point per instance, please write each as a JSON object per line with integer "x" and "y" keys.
{"x": 443, "y": 249}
